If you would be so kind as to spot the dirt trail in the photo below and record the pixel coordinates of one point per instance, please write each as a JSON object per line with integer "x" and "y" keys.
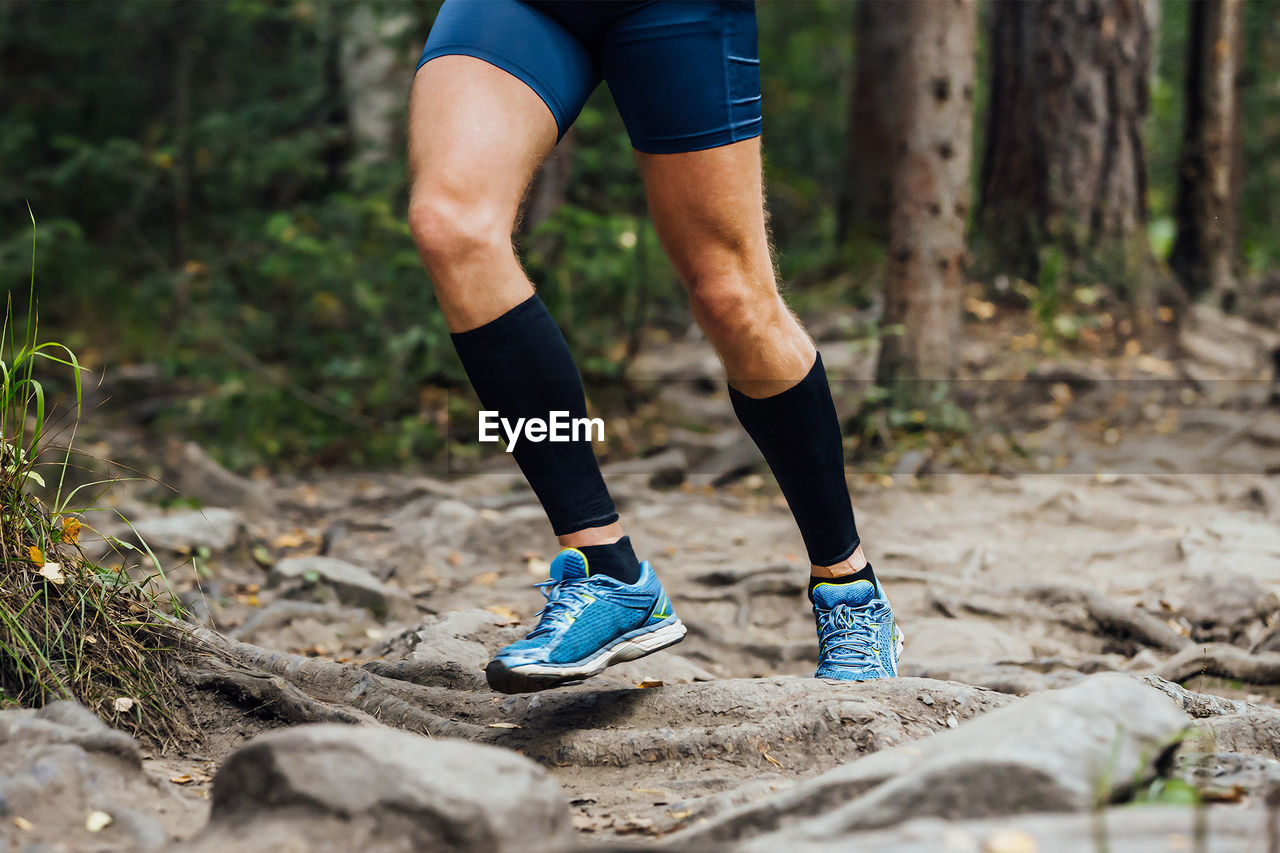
{"x": 384, "y": 595}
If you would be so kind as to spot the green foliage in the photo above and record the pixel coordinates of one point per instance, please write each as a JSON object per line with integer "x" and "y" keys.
{"x": 206, "y": 208}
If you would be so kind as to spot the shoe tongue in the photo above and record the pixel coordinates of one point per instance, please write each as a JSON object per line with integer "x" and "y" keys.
{"x": 855, "y": 594}
{"x": 568, "y": 565}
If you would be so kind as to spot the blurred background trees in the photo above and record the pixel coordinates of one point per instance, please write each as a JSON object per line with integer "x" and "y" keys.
{"x": 220, "y": 190}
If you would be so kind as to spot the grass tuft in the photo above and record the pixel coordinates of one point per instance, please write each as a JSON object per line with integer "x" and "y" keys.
{"x": 69, "y": 629}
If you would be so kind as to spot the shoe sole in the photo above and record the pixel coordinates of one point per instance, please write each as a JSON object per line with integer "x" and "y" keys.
{"x": 532, "y": 677}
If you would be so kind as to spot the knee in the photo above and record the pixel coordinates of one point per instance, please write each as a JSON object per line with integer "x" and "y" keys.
{"x": 451, "y": 231}
{"x": 729, "y": 306}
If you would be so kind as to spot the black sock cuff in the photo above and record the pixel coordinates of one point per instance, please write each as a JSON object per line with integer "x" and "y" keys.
{"x": 866, "y": 573}
{"x": 616, "y": 559}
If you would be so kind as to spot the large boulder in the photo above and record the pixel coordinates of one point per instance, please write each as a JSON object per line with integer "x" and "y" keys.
{"x": 1148, "y": 829}
{"x": 342, "y": 788}
{"x": 70, "y": 782}
{"x": 1056, "y": 751}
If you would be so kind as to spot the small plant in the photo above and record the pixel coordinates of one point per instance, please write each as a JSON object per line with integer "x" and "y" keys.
{"x": 69, "y": 629}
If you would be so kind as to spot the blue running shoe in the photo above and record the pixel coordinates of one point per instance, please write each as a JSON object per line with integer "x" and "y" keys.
{"x": 589, "y": 622}
{"x": 857, "y": 637}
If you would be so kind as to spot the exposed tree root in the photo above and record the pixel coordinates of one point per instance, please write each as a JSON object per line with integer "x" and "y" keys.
{"x": 300, "y": 689}
{"x": 1223, "y": 661}
{"x": 1198, "y": 705}
{"x": 1115, "y": 620}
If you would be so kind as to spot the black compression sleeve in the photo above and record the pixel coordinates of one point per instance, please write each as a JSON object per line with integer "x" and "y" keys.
{"x": 798, "y": 433}
{"x": 521, "y": 367}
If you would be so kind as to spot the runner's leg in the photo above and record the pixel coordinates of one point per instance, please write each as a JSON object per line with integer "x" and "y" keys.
{"x": 708, "y": 208}
{"x": 476, "y": 135}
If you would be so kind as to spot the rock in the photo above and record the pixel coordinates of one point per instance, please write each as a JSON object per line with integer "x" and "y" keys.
{"x": 1233, "y": 544}
{"x": 1231, "y": 347}
{"x": 1252, "y": 774}
{"x": 451, "y": 524}
{"x": 1223, "y": 608}
{"x": 803, "y": 723}
{"x": 342, "y": 788}
{"x": 1255, "y": 732}
{"x": 197, "y": 475}
{"x": 939, "y": 641}
{"x": 1002, "y": 678}
{"x": 297, "y": 625}
{"x": 1143, "y": 829}
{"x": 729, "y": 463}
{"x": 661, "y": 471}
{"x": 348, "y": 583}
{"x": 687, "y": 362}
{"x": 59, "y": 764}
{"x": 1050, "y": 751}
{"x": 667, "y": 668}
{"x": 212, "y": 528}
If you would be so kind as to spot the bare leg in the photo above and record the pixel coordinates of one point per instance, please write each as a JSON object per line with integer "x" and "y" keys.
{"x": 708, "y": 209}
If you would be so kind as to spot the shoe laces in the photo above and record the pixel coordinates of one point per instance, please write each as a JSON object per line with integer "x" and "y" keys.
{"x": 562, "y": 596}
{"x": 849, "y": 635}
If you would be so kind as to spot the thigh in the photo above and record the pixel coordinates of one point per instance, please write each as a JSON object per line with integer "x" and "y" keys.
{"x": 476, "y": 134}
{"x": 685, "y": 76}
{"x": 524, "y": 40}
{"x": 708, "y": 209}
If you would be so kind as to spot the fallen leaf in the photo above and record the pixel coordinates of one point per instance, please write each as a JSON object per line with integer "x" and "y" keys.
{"x": 122, "y": 704}
{"x": 650, "y": 682}
{"x": 23, "y": 824}
{"x": 290, "y": 540}
{"x": 979, "y": 308}
{"x": 36, "y": 555}
{"x": 1010, "y": 841}
{"x": 97, "y": 821}
{"x": 505, "y": 614}
{"x": 71, "y": 530}
{"x": 52, "y": 572}
{"x": 184, "y": 779}
{"x": 1234, "y": 794}
{"x": 680, "y": 815}
{"x": 504, "y": 726}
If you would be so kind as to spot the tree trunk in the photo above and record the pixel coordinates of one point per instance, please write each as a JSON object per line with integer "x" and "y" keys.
{"x": 1207, "y": 248}
{"x": 1064, "y": 169}
{"x": 550, "y": 186}
{"x": 881, "y": 35}
{"x": 930, "y": 192}
{"x": 373, "y": 74}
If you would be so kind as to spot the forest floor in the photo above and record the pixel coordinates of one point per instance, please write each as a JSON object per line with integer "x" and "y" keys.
{"x": 1129, "y": 526}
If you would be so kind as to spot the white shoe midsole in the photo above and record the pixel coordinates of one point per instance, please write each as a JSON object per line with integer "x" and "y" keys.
{"x": 636, "y": 647}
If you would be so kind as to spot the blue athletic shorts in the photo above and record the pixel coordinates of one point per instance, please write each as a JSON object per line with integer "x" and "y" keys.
{"x": 685, "y": 75}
